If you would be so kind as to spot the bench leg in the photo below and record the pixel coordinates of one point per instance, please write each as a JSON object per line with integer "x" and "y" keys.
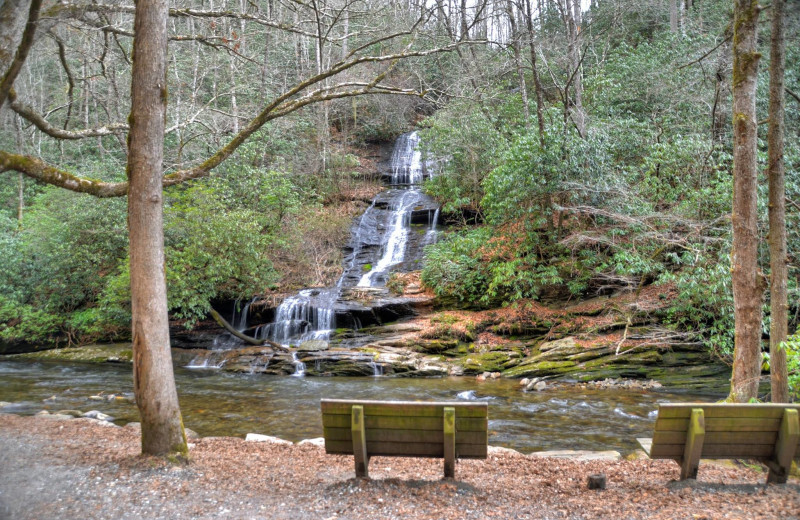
{"x": 694, "y": 444}
{"x": 785, "y": 448}
{"x": 449, "y": 442}
{"x": 359, "y": 441}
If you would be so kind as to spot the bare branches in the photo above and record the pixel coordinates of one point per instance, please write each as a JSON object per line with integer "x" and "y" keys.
{"x": 59, "y": 133}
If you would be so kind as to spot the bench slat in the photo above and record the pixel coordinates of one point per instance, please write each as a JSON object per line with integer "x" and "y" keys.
{"x": 676, "y": 437}
{"x": 407, "y": 423}
{"x": 720, "y": 410}
{"x": 723, "y": 451}
{"x": 404, "y": 408}
{"x": 716, "y": 424}
{"x": 407, "y": 449}
{"x": 433, "y": 436}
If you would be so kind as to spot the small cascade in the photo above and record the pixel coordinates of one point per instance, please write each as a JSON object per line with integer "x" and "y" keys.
{"x": 239, "y": 319}
{"x": 299, "y": 366}
{"x": 406, "y": 162}
{"x": 395, "y": 247}
{"x": 212, "y": 359}
{"x": 377, "y": 370}
{"x": 306, "y": 316}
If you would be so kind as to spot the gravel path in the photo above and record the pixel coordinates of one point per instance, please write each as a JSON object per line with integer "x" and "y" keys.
{"x": 79, "y": 469}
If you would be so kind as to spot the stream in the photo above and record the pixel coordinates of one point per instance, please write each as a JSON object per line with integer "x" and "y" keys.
{"x": 219, "y": 403}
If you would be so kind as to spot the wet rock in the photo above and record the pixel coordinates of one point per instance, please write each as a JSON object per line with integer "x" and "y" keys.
{"x": 190, "y": 434}
{"x": 456, "y": 370}
{"x": 536, "y": 385}
{"x": 4, "y": 404}
{"x": 637, "y": 455}
{"x": 579, "y": 455}
{"x": 500, "y": 450}
{"x": 73, "y": 413}
{"x": 99, "y": 422}
{"x": 313, "y": 345}
{"x": 567, "y": 343}
{"x": 100, "y": 416}
{"x": 524, "y": 382}
{"x": 44, "y": 414}
{"x": 317, "y": 441}
{"x": 256, "y": 437}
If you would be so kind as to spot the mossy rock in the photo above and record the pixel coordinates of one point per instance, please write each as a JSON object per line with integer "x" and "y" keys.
{"x": 488, "y": 362}
{"x": 433, "y": 346}
{"x": 542, "y": 368}
{"x": 111, "y": 353}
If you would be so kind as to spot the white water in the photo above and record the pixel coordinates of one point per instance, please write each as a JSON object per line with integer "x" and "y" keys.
{"x": 299, "y": 366}
{"x": 406, "y": 162}
{"x": 306, "y": 316}
{"x": 394, "y": 250}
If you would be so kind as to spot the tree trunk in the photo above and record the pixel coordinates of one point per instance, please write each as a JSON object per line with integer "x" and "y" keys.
{"x": 779, "y": 325}
{"x": 18, "y": 22}
{"x": 523, "y": 89}
{"x": 537, "y": 84}
{"x": 745, "y": 275}
{"x": 573, "y": 15}
{"x": 722, "y": 88}
{"x": 153, "y": 379}
{"x": 673, "y": 16}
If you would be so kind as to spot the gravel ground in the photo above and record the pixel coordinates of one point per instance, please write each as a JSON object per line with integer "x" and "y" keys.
{"x": 79, "y": 469}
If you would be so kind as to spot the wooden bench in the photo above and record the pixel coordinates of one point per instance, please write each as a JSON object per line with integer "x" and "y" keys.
{"x": 405, "y": 429}
{"x": 688, "y": 432}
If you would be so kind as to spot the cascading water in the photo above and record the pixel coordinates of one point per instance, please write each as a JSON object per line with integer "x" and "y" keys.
{"x": 407, "y": 167}
{"x": 397, "y": 225}
{"x": 308, "y": 315}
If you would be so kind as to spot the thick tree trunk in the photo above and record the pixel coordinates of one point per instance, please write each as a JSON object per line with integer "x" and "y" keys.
{"x": 746, "y": 277}
{"x": 779, "y": 325}
{"x": 153, "y": 379}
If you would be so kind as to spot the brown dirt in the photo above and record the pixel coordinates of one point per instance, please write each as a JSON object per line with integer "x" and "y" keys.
{"x": 77, "y": 469}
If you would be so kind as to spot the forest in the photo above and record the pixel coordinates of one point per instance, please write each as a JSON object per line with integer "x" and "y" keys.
{"x": 577, "y": 149}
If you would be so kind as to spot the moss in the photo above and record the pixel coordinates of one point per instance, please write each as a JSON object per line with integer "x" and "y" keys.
{"x": 488, "y": 362}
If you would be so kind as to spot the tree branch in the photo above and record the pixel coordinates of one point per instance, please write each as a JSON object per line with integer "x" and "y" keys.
{"x": 41, "y": 123}
{"x": 244, "y": 337}
{"x": 22, "y": 51}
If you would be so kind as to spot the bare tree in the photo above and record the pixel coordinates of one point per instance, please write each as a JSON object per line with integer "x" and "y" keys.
{"x": 748, "y": 282}
{"x": 778, "y": 259}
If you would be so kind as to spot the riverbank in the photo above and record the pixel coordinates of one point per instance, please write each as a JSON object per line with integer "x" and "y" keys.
{"x": 81, "y": 469}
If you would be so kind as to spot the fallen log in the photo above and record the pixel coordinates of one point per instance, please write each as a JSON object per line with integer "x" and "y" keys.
{"x": 244, "y": 337}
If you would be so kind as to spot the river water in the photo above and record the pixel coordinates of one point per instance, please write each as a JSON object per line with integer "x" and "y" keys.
{"x": 218, "y": 403}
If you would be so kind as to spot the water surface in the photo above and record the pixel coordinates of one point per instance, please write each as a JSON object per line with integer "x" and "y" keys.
{"x": 219, "y": 403}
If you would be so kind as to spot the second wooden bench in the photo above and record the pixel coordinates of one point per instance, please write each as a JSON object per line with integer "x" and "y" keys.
{"x": 448, "y": 430}
{"x": 688, "y": 432}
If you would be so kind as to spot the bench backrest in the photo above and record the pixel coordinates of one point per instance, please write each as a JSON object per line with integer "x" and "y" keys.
{"x": 731, "y": 430}
{"x": 402, "y": 428}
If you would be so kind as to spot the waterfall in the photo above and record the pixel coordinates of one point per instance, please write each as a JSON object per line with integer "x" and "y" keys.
{"x": 395, "y": 246}
{"x": 406, "y": 162}
{"x": 396, "y": 226}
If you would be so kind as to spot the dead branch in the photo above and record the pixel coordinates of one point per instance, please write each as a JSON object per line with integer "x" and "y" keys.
{"x": 244, "y": 337}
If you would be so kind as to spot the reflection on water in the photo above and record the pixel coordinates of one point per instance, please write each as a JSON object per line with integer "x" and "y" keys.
{"x": 216, "y": 403}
